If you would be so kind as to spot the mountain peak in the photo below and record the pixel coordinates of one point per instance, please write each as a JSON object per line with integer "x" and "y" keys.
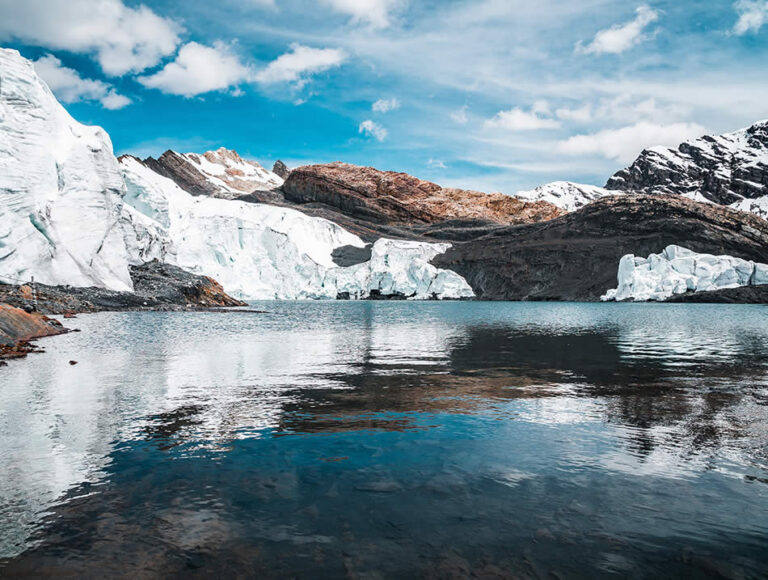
{"x": 729, "y": 169}
{"x": 220, "y": 173}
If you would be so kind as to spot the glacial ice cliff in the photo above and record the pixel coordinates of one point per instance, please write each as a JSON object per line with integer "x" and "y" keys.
{"x": 258, "y": 251}
{"x": 60, "y": 189}
{"x": 678, "y": 270}
{"x": 70, "y": 214}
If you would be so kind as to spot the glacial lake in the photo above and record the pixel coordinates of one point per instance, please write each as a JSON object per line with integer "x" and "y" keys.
{"x": 391, "y": 439}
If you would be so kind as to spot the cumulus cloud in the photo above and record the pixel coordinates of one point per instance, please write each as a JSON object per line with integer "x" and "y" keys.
{"x": 376, "y": 13}
{"x": 621, "y": 37}
{"x": 199, "y": 69}
{"x": 122, "y": 39}
{"x": 385, "y": 105}
{"x": 70, "y": 87}
{"x": 625, "y": 144}
{"x": 372, "y": 129}
{"x": 295, "y": 66}
{"x": 753, "y": 14}
{"x": 539, "y": 117}
{"x": 436, "y": 164}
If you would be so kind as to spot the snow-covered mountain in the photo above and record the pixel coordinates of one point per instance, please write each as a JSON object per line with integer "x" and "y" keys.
{"x": 565, "y": 194}
{"x": 71, "y": 214}
{"x": 730, "y": 169}
{"x": 221, "y": 173}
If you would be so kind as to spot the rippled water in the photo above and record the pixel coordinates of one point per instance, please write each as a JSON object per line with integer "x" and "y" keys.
{"x": 377, "y": 439}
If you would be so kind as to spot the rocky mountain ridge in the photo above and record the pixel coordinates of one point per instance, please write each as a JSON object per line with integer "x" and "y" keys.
{"x": 729, "y": 169}
{"x": 221, "y": 173}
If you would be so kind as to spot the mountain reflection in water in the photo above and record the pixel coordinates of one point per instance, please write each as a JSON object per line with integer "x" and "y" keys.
{"x": 400, "y": 439}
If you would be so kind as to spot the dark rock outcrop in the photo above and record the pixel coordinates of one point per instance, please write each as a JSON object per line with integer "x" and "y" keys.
{"x": 576, "y": 257}
{"x": 386, "y": 197}
{"x": 157, "y": 286}
{"x": 743, "y": 295}
{"x": 176, "y": 168}
{"x": 723, "y": 169}
{"x": 281, "y": 169}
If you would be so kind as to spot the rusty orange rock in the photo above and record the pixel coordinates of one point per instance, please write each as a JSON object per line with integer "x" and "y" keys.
{"x": 399, "y": 198}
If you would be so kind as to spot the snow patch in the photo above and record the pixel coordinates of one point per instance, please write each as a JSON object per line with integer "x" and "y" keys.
{"x": 565, "y": 194}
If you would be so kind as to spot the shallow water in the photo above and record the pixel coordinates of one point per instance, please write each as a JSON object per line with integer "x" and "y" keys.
{"x": 383, "y": 439}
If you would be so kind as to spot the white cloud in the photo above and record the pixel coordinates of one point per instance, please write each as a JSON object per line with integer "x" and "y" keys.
{"x": 114, "y": 101}
{"x": 519, "y": 120}
{"x": 753, "y": 14}
{"x": 199, "y": 69}
{"x": 625, "y": 108}
{"x": 625, "y": 144}
{"x": 372, "y": 129}
{"x": 460, "y": 116}
{"x": 578, "y": 115}
{"x": 121, "y": 38}
{"x": 376, "y": 13}
{"x": 621, "y": 37}
{"x": 385, "y": 105}
{"x": 70, "y": 87}
{"x": 300, "y": 62}
{"x": 436, "y": 164}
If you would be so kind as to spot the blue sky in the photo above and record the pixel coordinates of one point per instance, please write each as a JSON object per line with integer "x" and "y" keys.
{"x": 494, "y": 95}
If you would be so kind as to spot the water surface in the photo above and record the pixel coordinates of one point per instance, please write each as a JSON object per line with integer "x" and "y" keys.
{"x": 382, "y": 439}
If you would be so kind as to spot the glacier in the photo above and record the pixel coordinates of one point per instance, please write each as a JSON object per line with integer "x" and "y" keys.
{"x": 678, "y": 270}
{"x": 60, "y": 189}
{"x": 72, "y": 214}
{"x": 259, "y": 252}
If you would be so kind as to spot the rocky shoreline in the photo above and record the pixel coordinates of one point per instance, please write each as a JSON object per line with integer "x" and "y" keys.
{"x": 157, "y": 286}
{"x": 19, "y": 328}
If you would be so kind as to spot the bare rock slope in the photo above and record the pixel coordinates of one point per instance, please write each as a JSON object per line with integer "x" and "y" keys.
{"x": 386, "y": 197}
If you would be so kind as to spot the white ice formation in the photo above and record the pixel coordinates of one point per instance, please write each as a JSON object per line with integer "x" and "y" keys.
{"x": 678, "y": 270}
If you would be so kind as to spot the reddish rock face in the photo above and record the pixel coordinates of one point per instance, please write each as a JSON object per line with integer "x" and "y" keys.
{"x": 397, "y": 198}
{"x": 17, "y": 327}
